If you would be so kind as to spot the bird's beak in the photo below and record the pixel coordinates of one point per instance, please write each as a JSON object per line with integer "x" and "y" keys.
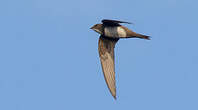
{"x": 92, "y": 27}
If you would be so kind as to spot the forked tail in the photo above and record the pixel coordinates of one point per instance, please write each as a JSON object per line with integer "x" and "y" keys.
{"x": 143, "y": 36}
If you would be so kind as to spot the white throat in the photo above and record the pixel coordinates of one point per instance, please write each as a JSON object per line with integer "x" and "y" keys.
{"x": 98, "y": 31}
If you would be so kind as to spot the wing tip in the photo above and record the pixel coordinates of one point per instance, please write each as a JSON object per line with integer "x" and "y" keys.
{"x": 115, "y": 97}
{"x": 113, "y": 93}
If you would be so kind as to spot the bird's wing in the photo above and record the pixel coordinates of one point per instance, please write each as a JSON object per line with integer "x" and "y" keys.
{"x": 108, "y": 22}
{"x": 106, "y": 52}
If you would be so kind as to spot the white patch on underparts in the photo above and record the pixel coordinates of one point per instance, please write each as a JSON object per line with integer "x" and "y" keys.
{"x": 114, "y": 32}
{"x": 121, "y": 32}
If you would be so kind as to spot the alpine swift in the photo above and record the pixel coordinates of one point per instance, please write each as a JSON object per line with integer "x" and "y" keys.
{"x": 110, "y": 32}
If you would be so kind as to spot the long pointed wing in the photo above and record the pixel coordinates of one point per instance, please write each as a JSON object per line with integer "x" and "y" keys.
{"x": 106, "y": 52}
{"x": 108, "y": 22}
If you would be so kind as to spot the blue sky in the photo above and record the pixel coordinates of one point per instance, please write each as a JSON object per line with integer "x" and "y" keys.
{"x": 49, "y": 58}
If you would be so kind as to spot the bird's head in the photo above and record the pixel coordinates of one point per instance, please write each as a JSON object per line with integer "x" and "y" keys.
{"x": 97, "y": 28}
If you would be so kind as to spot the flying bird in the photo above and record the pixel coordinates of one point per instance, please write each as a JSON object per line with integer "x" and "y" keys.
{"x": 110, "y": 32}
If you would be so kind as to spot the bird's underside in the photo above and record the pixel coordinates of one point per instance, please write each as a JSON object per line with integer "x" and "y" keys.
{"x": 112, "y": 32}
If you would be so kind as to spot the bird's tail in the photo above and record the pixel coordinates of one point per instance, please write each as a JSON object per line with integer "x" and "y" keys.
{"x": 143, "y": 37}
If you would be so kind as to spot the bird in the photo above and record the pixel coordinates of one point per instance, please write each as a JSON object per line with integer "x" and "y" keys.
{"x": 110, "y": 32}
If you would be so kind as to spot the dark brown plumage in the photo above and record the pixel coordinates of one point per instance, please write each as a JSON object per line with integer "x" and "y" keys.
{"x": 106, "y": 53}
{"x": 111, "y": 31}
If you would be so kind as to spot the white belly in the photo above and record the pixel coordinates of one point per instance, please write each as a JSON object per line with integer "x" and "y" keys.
{"x": 114, "y": 32}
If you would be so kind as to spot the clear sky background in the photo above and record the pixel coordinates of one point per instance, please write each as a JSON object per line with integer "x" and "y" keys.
{"x": 49, "y": 58}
